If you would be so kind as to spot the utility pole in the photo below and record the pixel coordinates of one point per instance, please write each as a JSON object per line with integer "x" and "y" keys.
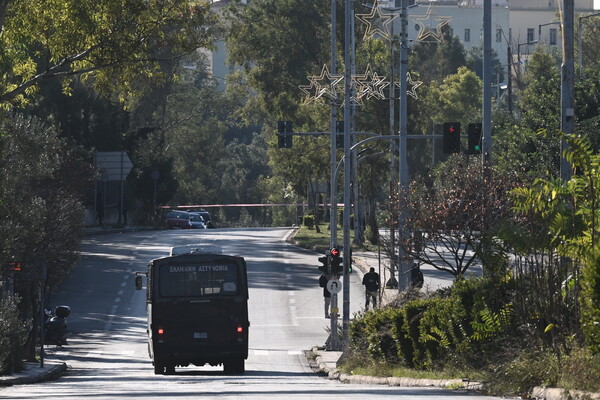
{"x": 486, "y": 142}
{"x": 347, "y": 165}
{"x": 567, "y": 74}
{"x": 403, "y": 266}
{"x": 392, "y": 281}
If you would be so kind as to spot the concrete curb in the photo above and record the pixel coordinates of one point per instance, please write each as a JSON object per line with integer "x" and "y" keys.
{"x": 32, "y": 373}
{"x": 546, "y": 393}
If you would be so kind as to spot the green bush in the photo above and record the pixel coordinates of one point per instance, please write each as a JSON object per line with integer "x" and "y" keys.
{"x": 309, "y": 221}
{"x": 590, "y": 301}
{"x": 414, "y": 311}
{"x": 440, "y": 328}
{"x": 379, "y": 330}
{"x": 404, "y": 346}
{"x": 13, "y": 333}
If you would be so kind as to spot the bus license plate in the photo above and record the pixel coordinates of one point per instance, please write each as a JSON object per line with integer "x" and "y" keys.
{"x": 200, "y": 335}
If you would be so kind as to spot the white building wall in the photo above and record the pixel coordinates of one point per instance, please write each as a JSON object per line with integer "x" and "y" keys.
{"x": 466, "y": 24}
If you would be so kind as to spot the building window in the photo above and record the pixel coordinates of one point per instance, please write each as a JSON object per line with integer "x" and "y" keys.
{"x": 467, "y": 35}
{"x": 553, "y": 33}
{"x": 498, "y": 35}
{"x": 530, "y": 33}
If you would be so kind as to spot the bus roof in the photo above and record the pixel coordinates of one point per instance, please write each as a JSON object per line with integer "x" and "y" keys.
{"x": 195, "y": 248}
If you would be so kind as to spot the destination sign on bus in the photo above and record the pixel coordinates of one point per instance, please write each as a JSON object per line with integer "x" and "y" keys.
{"x": 199, "y": 268}
{"x": 198, "y": 280}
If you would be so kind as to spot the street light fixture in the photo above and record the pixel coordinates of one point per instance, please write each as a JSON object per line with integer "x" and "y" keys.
{"x": 540, "y": 29}
{"x": 519, "y": 51}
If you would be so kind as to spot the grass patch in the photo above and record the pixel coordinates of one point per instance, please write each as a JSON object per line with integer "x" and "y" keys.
{"x": 311, "y": 238}
{"x": 386, "y": 370}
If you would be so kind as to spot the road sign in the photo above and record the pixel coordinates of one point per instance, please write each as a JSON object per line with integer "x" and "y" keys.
{"x": 334, "y": 286}
{"x": 115, "y": 165}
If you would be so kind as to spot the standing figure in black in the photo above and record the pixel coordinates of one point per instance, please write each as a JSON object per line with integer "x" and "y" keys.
{"x": 323, "y": 279}
{"x": 372, "y": 284}
{"x": 99, "y": 208}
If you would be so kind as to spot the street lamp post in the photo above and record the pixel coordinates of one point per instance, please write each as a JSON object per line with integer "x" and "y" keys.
{"x": 519, "y": 50}
{"x": 540, "y": 29}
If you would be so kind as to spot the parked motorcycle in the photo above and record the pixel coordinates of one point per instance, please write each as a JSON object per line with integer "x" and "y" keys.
{"x": 56, "y": 325}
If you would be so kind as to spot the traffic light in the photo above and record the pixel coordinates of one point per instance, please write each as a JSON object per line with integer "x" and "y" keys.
{"x": 474, "y": 133}
{"x": 284, "y": 134}
{"x": 335, "y": 261}
{"x": 14, "y": 266}
{"x": 325, "y": 267}
{"x": 451, "y": 137}
{"x": 339, "y": 137}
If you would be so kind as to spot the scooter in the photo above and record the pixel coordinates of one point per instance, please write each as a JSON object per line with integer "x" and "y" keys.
{"x": 56, "y": 325}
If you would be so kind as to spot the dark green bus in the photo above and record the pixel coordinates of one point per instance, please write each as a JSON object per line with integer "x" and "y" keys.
{"x": 197, "y": 311}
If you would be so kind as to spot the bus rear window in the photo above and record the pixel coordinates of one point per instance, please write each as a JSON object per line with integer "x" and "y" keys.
{"x": 198, "y": 280}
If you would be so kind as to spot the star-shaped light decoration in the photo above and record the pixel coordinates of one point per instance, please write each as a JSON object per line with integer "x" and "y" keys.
{"x": 316, "y": 88}
{"x": 369, "y": 85}
{"x": 378, "y": 22}
{"x": 412, "y": 91}
{"x": 430, "y": 25}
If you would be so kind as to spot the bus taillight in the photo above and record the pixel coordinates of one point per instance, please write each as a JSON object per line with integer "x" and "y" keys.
{"x": 239, "y": 330}
{"x": 160, "y": 331}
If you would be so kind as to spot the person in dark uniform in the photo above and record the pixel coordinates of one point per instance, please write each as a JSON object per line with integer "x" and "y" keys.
{"x": 323, "y": 279}
{"x": 372, "y": 284}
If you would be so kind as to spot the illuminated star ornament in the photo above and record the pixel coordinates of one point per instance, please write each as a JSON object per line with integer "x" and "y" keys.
{"x": 378, "y": 22}
{"x": 369, "y": 85}
{"x": 430, "y": 25}
{"x": 321, "y": 85}
{"x": 412, "y": 91}
{"x": 365, "y": 86}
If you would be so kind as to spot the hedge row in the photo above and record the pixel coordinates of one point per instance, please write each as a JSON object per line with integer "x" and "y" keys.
{"x": 424, "y": 333}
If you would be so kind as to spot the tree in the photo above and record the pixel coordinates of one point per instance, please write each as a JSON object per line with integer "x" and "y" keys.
{"x": 557, "y": 236}
{"x": 591, "y": 48}
{"x": 279, "y": 43}
{"x": 433, "y": 61}
{"x": 454, "y": 214}
{"x": 40, "y": 208}
{"x": 110, "y": 44}
{"x": 457, "y": 98}
{"x": 540, "y": 99}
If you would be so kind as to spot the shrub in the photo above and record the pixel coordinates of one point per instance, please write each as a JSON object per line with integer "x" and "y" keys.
{"x": 12, "y": 335}
{"x": 379, "y": 330}
{"x": 412, "y": 326}
{"x": 580, "y": 370}
{"x": 309, "y": 221}
{"x": 526, "y": 369}
{"x": 590, "y": 302}
{"x": 404, "y": 344}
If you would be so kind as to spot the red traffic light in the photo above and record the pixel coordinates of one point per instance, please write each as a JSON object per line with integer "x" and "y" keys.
{"x": 335, "y": 252}
{"x": 14, "y": 266}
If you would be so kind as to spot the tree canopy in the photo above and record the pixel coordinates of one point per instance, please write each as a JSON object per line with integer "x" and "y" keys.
{"x": 113, "y": 44}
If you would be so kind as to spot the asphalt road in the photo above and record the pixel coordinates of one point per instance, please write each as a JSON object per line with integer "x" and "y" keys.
{"x": 107, "y": 354}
